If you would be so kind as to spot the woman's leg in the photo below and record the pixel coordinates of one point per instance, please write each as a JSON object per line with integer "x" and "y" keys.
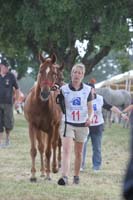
{"x": 78, "y": 157}
{"x": 96, "y": 138}
{"x": 66, "y": 155}
{"x": 84, "y": 152}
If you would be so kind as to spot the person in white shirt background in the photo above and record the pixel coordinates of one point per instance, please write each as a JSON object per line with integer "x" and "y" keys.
{"x": 96, "y": 129}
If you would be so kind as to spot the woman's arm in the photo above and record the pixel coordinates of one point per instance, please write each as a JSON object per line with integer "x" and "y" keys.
{"x": 90, "y": 113}
{"x": 119, "y": 112}
{"x": 129, "y": 108}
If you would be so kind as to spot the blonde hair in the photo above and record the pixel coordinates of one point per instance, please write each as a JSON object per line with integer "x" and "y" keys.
{"x": 78, "y": 65}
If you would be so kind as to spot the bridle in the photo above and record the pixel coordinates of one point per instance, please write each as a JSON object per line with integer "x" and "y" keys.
{"x": 52, "y": 85}
{"x": 47, "y": 83}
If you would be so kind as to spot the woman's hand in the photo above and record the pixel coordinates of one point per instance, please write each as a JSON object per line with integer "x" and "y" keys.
{"x": 87, "y": 123}
{"x": 125, "y": 116}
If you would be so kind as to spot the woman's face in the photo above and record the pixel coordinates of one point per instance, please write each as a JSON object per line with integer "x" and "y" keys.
{"x": 77, "y": 75}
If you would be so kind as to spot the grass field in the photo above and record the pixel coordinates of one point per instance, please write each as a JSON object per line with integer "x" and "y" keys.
{"x": 15, "y": 164}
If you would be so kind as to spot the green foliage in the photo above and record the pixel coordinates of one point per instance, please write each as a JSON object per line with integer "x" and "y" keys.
{"x": 124, "y": 61}
{"x": 116, "y": 62}
{"x": 54, "y": 26}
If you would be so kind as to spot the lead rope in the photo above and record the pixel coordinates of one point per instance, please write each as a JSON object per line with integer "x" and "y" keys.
{"x": 64, "y": 135}
{"x": 63, "y": 108}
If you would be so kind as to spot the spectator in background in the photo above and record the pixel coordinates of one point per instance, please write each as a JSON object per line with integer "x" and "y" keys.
{"x": 8, "y": 84}
{"x": 128, "y": 181}
{"x": 96, "y": 129}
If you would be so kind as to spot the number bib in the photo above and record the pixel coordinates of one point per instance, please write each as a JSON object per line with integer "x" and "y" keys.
{"x": 76, "y": 103}
{"x": 97, "y": 108}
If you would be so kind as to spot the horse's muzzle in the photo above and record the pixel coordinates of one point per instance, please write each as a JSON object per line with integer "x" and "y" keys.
{"x": 44, "y": 95}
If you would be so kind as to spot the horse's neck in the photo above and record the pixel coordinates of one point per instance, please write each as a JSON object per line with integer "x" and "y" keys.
{"x": 37, "y": 91}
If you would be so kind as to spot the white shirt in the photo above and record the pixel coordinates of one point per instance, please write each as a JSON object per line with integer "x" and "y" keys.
{"x": 97, "y": 109}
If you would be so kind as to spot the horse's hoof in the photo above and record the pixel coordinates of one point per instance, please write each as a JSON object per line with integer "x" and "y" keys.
{"x": 48, "y": 178}
{"x": 42, "y": 175}
{"x": 59, "y": 165}
{"x": 55, "y": 171}
{"x": 33, "y": 180}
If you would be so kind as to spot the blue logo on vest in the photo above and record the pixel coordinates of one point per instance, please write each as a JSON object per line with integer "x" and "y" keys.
{"x": 94, "y": 107}
{"x": 76, "y": 101}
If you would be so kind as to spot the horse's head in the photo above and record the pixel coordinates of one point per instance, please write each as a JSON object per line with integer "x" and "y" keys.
{"x": 60, "y": 76}
{"x": 48, "y": 76}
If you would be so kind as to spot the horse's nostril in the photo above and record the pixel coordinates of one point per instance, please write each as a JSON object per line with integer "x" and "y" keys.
{"x": 45, "y": 94}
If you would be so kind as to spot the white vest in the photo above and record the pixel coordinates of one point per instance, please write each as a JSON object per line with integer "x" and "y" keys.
{"x": 76, "y": 103}
{"x": 97, "y": 108}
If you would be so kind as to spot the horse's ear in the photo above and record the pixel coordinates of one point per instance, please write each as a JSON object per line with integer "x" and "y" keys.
{"x": 62, "y": 66}
{"x": 41, "y": 58}
{"x": 53, "y": 57}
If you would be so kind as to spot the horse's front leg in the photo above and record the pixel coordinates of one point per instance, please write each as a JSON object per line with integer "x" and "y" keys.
{"x": 41, "y": 142}
{"x": 55, "y": 143}
{"x": 48, "y": 156}
{"x": 54, "y": 162}
{"x": 33, "y": 152}
{"x": 59, "y": 152}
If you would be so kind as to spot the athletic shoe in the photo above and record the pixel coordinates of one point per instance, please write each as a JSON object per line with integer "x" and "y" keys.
{"x": 81, "y": 169}
{"x": 63, "y": 180}
{"x": 76, "y": 179}
{"x": 7, "y": 143}
{"x": 96, "y": 169}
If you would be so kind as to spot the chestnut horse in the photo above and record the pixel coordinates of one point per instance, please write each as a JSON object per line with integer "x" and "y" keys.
{"x": 44, "y": 115}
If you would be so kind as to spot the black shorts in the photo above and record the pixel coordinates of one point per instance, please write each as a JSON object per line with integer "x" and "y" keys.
{"x": 6, "y": 117}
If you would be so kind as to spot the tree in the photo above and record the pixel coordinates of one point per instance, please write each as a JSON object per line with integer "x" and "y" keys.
{"x": 30, "y": 26}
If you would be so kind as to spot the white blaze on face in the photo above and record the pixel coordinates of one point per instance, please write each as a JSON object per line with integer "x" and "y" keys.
{"x": 47, "y": 70}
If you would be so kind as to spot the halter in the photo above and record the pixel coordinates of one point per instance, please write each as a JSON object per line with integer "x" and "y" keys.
{"x": 53, "y": 86}
{"x": 47, "y": 83}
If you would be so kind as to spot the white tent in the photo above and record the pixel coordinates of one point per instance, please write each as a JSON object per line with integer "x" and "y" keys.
{"x": 121, "y": 81}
